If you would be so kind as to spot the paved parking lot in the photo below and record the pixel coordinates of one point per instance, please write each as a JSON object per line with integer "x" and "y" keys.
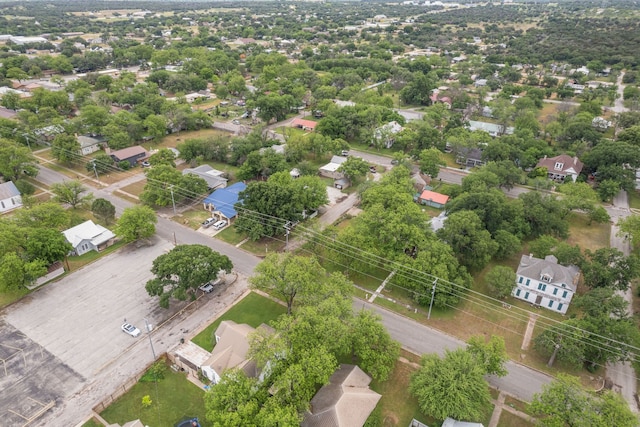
{"x": 30, "y": 377}
{"x": 81, "y": 315}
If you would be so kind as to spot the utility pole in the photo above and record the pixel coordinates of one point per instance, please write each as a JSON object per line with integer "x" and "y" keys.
{"x": 433, "y": 294}
{"x": 173, "y": 201}
{"x": 287, "y": 228}
{"x": 149, "y": 328}
{"x": 95, "y": 170}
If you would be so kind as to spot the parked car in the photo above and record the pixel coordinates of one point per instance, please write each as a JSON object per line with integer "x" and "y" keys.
{"x": 145, "y": 164}
{"x": 128, "y": 328}
{"x": 208, "y": 222}
{"x": 235, "y": 122}
{"x": 344, "y": 153}
{"x": 210, "y": 286}
{"x": 220, "y": 224}
{"x": 372, "y": 169}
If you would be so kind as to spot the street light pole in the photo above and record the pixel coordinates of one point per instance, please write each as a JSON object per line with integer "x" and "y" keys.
{"x": 149, "y": 327}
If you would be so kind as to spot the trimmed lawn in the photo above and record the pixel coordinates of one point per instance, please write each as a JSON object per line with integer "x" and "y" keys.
{"x": 231, "y": 235}
{"x": 634, "y": 200}
{"x": 507, "y": 419}
{"x": 78, "y": 262}
{"x": 254, "y": 309}
{"x": 92, "y": 423}
{"x": 397, "y": 407}
{"x": 135, "y": 188}
{"x": 265, "y": 245}
{"x": 192, "y": 218}
{"x": 175, "y": 398}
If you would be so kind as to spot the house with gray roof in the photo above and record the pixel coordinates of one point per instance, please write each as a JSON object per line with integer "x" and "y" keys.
{"x": 88, "y": 144}
{"x": 545, "y": 283}
{"x": 231, "y": 350}
{"x": 10, "y": 197}
{"x": 88, "y": 236}
{"x": 213, "y": 177}
{"x": 346, "y": 401}
{"x": 560, "y": 167}
{"x": 492, "y": 129}
{"x": 330, "y": 170}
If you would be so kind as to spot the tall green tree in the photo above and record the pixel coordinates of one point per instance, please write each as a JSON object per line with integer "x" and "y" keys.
{"x": 451, "y": 386}
{"x": 103, "y": 209}
{"x": 564, "y": 341}
{"x": 137, "y": 222}
{"x": 491, "y": 355}
{"x": 15, "y": 272}
{"x": 565, "y": 402}
{"x": 179, "y": 272}
{"x": 16, "y": 160}
{"x": 430, "y": 161}
{"x": 501, "y": 280}
{"x": 43, "y": 215}
{"x": 287, "y": 276}
{"x": 65, "y": 148}
{"x": 71, "y": 193}
{"x": 472, "y": 244}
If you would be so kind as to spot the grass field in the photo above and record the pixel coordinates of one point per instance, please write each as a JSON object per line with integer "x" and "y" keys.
{"x": 254, "y": 309}
{"x": 588, "y": 236}
{"x": 174, "y": 399}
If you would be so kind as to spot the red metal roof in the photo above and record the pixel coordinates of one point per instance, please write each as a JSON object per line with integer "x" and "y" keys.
{"x": 434, "y": 197}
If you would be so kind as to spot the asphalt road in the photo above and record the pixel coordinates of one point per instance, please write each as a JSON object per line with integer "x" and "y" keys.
{"x": 521, "y": 382}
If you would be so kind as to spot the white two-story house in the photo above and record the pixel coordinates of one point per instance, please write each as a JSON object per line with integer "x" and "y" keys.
{"x": 545, "y": 283}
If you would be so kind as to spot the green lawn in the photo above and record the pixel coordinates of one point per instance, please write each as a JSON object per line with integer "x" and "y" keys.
{"x": 92, "y": 423}
{"x": 265, "y": 246}
{"x": 7, "y": 297}
{"x": 231, "y": 235}
{"x": 507, "y": 419}
{"x": 78, "y": 262}
{"x": 634, "y": 200}
{"x": 254, "y": 309}
{"x": 175, "y": 399}
{"x": 397, "y": 407}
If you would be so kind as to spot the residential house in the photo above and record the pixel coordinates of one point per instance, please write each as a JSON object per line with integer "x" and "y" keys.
{"x": 221, "y": 203}
{"x": 491, "y": 128}
{"x": 278, "y": 148}
{"x": 213, "y": 177}
{"x": 6, "y": 113}
{"x": 600, "y": 123}
{"x": 88, "y": 237}
{"x": 545, "y": 283}
{"x": 10, "y": 197}
{"x": 480, "y": 83}
{"x": 346, "y": 401}
{"x": 450, "y": 422}
{"x": 48, "y": 133}
{"x": 231, "y": 350}
{"x": 330, "y": 170}
{"x": 133, "y": 155}
{"x": 386, "y": 133}
{"x": 433, "y": 199}
{"x": 470, "y": 157}
{"x": 88, "y": 144}
{"x": 561, "y": 167}
{"x": 308, "y": 125}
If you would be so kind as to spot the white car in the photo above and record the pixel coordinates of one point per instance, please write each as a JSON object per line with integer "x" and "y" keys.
{"x": 210, "y": 286}
{"x": 128, "y": 328}
{"x": 208, "y": 222}
{"x": 220, "y": 224}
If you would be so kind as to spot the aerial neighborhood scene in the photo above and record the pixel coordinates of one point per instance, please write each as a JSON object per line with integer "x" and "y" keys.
{"x": 319, "y": 213}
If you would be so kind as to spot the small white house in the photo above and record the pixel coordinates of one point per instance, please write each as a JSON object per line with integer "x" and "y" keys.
{"x": 545, "y": 283}
{"x": 330, "y": 170}
{"x": 87, "y": 237}
{"x": 10, "y": 197}
{"x": 88, "y": 144}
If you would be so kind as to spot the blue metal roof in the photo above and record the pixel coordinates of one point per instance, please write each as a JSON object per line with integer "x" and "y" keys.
{"x": 224, "y": 199}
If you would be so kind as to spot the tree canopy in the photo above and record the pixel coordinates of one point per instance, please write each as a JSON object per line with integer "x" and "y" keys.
{"x": 179, "y": 272}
